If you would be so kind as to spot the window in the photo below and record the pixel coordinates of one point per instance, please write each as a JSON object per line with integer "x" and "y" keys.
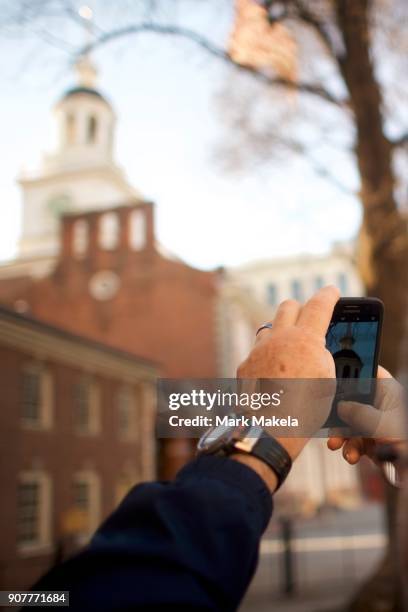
{"x": 29, "y": 512}
{"x": 296, "y": 290}
{"x": 70, "y": 128}
{"x": 318, "y": 282}
{"x": 80, "y": 237}
{"x": 346, "y": 371}
{"x": 86, "y": 500}
{"x": 342, "y": 283}
{"x": 272, "y": 294}
{"x": 33, "y": 510}
{"x": 92, "y": 127}
{"x": 127, "y": 415}
{"x": 31, "y": 402}
{"x": 137, "y": 230}
{"x": 86, "y": 406}
{"x": 36, "y": 396}
{"x": 81, "y": 495}
{"x": 109, "y": 231}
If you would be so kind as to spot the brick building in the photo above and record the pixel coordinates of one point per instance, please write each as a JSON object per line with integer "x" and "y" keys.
{"x": 76, "y": 422}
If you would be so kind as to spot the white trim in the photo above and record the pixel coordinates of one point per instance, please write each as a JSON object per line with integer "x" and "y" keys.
{"x": 46, "y": 396}
{"x": 92, "y": 480}
{"x": 43, "y": 543}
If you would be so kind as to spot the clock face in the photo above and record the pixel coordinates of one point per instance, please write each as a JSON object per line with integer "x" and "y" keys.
{"x": 104, "y": 285}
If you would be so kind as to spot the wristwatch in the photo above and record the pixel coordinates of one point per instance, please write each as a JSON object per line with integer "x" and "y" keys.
{"x": 252, "y": 440}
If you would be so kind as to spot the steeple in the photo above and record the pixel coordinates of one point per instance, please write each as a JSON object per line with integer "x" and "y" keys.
{"x": 347, "y": 341}
{"x": 86, "y": 72}
{"x": 85, "y": 123}
{"x": 80, "y": 174}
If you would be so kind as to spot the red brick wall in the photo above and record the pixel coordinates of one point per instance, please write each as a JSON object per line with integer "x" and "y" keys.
{"x": 61, "y": 452}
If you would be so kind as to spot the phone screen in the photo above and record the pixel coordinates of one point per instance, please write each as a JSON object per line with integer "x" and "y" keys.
{"x": 353, "y": 340}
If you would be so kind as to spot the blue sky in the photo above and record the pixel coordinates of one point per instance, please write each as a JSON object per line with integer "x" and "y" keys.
{"x": 166, "y": 95}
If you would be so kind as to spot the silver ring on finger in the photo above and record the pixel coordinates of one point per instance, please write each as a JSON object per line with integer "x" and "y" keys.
{"x": 264, "y": 326}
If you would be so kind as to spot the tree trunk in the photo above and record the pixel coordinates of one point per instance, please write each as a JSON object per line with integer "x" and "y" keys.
{"x": 383, "y": 252}
{"x": 383, "y": 248}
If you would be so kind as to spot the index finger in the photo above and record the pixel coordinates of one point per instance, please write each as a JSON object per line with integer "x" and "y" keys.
{"x": 317, "y": 312}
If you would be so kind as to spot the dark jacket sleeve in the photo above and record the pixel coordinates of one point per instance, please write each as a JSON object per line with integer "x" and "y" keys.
{"x": 191, "y": 544}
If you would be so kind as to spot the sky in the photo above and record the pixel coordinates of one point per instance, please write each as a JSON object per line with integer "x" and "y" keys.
{"x": 166, "y": 95}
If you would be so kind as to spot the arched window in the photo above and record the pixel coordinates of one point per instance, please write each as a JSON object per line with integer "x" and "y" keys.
{"x": 346, "y": 371}
{"x": 70, "y": 129}
{"x": 91, "y": 130}
{"x": 109, "y": 231}
{"x": 80, "y": 237}
{"x": 137, "y": 230}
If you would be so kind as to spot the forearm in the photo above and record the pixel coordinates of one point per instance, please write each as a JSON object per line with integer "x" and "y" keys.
{"x": 191, "y": 544}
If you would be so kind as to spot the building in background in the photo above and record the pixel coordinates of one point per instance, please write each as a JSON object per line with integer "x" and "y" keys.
{"x": 297, "y": 277}
{"x": 77, "y": 428}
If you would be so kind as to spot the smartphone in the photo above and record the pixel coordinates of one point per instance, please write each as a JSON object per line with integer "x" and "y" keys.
{"x": 353, "y": 338}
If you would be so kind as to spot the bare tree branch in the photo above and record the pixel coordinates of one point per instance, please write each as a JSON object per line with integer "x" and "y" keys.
{"x": 181, "y": 32}
{"x": 309, "y": 18}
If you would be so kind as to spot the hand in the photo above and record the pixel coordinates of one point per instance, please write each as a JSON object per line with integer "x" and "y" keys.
{"x": 295, "y": 347}
{"x": 383, "y": 424}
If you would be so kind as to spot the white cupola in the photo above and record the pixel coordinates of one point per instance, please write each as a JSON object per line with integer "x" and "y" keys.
{"x": 80, "y": 174}
{"x": 85, "y": 124}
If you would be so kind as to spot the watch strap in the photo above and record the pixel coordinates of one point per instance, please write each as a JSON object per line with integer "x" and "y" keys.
{"x": 271, "y": 452}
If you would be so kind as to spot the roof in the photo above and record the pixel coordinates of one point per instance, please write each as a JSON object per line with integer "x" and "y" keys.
{"x": 347, "y": 354}
{"x": 11, "y": 315}
{"x": 84, "y": 90}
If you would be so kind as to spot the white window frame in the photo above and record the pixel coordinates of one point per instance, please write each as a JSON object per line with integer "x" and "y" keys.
{"x": 46, "y": 397}
{"x": 93, "y": 426}
{"x": 43, "y": 543}
{"x": 92, "y": 481}
{"x": 127, "y": 394}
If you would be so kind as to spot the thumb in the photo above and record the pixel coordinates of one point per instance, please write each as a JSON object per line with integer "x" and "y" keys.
{"x": 363, "y": 418}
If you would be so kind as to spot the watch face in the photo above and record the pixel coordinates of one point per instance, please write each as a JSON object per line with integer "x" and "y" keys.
{"x": 104, "y": 285}
{"x": 216, "y": 437}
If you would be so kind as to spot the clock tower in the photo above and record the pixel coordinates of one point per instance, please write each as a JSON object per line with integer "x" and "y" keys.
{"x": 80, "y": 174}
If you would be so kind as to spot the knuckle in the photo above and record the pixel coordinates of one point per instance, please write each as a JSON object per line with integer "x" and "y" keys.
{"x": 289, "y": 304}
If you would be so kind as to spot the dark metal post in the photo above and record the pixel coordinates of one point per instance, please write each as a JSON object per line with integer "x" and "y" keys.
{"x": 289, "y": 585}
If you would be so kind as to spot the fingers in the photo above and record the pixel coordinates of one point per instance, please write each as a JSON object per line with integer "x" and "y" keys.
{"x": 317, "y": 312}
{"x": 361, "y": 417}
{"x": 334, "y": 443}
{"x": 353, "y": 450}
{"x": 383, "y": 373}
{"x": 286, "y": 315}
